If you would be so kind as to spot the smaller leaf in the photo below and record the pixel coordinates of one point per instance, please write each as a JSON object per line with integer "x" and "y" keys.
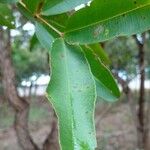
{"x": 106, "y": 85}
{"x": 104, "y": 93}
{"x": 33, "y": 42}
{"x": 6, "y": 16}
{"x": 99, "y": 51}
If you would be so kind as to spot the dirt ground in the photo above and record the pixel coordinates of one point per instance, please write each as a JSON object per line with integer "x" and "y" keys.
{"x": 114, "y": 125}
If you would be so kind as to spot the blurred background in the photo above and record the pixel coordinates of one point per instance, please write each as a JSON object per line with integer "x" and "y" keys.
{"x": 24, "y": 74}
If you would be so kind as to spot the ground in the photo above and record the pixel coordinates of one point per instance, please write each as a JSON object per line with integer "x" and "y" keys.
{"x": 114, "y": 125}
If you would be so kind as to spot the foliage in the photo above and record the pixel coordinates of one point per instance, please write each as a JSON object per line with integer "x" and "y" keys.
{"x": 79, "y": 71}
{"x": 123, "y": 52}
{"x": 28, "y": 63}
{"x": 28, "y": 59}
{"x": 6, "y": 16}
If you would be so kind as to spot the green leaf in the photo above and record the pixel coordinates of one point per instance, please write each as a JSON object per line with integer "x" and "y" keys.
{"x": 6, "y": 16}
{"x": 58, "y": 21}
{"x": 54, "y": 7}
{"x": 106, "y": 19}
{"x": 8, "y": 1}
{"x": 45, "y": 35}
{"x": 72, "y": 93}
{"x": 33, "y": 42}
{"x": 99, "y": 51}
{"x": 25, "y": 12}
{"x": 34, "y": 6}
{"x": 106, "y": 85}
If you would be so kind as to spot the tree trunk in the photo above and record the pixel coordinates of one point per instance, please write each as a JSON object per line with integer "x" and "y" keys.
{"x": 21, "y": 107}
{"x": 147, "y": 129}
{"x": 21, "y": 127}
{"x": 127, "y": 91}
{"x": 141, "y": 101}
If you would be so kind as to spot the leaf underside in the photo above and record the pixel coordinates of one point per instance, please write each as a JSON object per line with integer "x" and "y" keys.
{"x": 72, "y": 93}
{"x": 44, "y": 36}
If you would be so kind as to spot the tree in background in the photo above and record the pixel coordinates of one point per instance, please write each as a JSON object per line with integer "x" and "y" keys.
{"x": 128, "y": 63}
{"x": 18, "y": 62}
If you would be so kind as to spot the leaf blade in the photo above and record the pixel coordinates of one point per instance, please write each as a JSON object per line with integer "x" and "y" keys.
{"x": 72, "y": 93}
{"x": 45, "y": 35}
{"x": 99, "y": 51}
{"x": 34, "y": 6}
{"x": 123, "y": 18}
{"x": 106, "y": 85}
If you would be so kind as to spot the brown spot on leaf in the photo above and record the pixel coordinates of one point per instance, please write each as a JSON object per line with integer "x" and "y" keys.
{"x": 98, "y": 30}
{"x": 62, "y": 56}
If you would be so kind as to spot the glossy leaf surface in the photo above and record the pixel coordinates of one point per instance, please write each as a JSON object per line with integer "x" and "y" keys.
{"x": 72, "y": 93}
{"x": 106, "y": 19}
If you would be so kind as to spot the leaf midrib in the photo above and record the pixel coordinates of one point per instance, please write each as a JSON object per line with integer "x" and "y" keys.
{"x": 110, "y": 18}
{"x": 69, "y": 91}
